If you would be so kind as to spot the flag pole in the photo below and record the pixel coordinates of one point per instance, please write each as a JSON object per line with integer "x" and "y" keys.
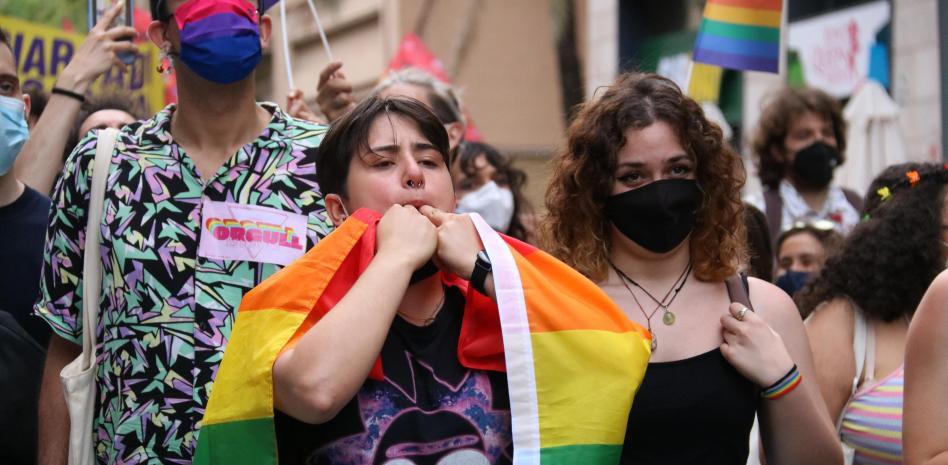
{"x": 286, "y": 46}
{"x": 782, "y": 62}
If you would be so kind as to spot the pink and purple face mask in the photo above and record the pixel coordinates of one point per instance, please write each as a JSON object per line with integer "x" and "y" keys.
{"x": 220, "y": 39}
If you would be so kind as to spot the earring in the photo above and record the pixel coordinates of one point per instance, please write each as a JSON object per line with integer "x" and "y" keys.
{"x": 164, "y": 61}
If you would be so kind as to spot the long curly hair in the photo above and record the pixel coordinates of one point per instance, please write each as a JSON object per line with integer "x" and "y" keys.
{"x": 889, "y": 260}
{"x": 575, "y": 228}
{"x": 780, "y": 110}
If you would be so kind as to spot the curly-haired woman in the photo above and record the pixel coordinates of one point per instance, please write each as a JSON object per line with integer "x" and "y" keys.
{"x": 858, "y": 310}
{"x": 799, "y": 142}
{"x": 644, "y": 199}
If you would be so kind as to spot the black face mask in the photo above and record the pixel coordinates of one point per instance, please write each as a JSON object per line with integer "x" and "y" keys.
{"x": 658, "y": 216}
{"x": 426, "y": 271}
{"x": 813, "y": 166}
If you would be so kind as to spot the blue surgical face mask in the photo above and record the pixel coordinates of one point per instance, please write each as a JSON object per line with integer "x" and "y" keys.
{"x": 14, "y": 129}
{"x": 792, "y": 281}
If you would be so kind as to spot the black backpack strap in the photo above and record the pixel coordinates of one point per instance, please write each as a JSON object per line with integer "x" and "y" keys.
{"x": 738, "y": 290}
{"x": 773, "y": 208}
{"x": 854, "y": 199}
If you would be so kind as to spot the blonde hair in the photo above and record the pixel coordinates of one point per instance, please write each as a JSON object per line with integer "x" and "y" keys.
{"x": 445, "y": 103}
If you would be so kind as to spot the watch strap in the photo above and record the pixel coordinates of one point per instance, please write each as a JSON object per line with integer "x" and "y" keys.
{"x": 479, "y": 275}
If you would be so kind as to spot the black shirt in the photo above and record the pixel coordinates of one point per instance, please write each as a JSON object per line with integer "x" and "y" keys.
{"x": 696, "y": 410}
{"x": 428, "y": 410}
{"x": 22, "y": 234}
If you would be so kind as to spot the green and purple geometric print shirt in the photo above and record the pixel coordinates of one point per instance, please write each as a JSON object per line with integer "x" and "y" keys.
{"x": 167, "y": 305}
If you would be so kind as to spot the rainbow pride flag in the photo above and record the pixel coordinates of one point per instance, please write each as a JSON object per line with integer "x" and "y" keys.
{"x": 740, "y": 34}
{"x": 573, "y": 359}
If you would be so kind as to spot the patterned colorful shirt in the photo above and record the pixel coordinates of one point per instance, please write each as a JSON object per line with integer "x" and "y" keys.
{"x": 178, "y": 254}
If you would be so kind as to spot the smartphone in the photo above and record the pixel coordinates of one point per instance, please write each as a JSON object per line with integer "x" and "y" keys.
{"x": 98, "y": 8}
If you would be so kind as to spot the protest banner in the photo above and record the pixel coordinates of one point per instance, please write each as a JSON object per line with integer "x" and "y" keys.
{"x": 41, "y": 52}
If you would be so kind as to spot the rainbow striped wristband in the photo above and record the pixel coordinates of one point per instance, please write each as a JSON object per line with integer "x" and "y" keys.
{"x": 784, "y": 386}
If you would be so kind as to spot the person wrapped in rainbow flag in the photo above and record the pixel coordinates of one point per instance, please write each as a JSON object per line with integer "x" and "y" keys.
{"x": 419, "y": 336}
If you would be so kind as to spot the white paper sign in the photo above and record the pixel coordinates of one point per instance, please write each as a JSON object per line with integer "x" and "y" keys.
{"x": 232, "y": 231}
{"x": 834, "y": 48}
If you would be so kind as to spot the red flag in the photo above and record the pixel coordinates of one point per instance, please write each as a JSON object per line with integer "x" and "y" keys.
{"x": 414, "y": 53}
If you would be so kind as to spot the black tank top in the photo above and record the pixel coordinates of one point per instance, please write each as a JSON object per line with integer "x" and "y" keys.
{"x": 696, "y": 410}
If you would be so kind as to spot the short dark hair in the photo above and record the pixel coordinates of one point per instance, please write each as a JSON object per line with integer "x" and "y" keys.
{"x": 829, "y": 239}
{"x": 349, "y": 136}
{"x": 110, "y": 101}
{"x": 5, "y": 40}
{"x": 159, "y": 9}
{"x": 38, "y": 100}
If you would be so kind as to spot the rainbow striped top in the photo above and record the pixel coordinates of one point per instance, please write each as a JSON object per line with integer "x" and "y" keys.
{"x": 872, "y": 422}
{"x": 575, "y": 360}
{"x": 740, "y": 34}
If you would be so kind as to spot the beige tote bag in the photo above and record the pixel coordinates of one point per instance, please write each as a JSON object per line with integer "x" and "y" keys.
{"x": 79, "y": 375}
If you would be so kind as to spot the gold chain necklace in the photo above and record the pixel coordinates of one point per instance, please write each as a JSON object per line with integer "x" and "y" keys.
{"x": 667, "y": 317}
{"x": 431, "y": 318}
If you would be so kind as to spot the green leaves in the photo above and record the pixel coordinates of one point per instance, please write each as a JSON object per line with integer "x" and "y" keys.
{"x": 48, "y": 12}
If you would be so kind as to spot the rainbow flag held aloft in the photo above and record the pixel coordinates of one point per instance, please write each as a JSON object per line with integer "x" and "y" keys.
{"x": 740, "y": 34}
{"x": 573, "y": 359}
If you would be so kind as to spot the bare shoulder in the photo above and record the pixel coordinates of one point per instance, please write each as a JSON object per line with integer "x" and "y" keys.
{"x": 830, "y": 327}
{"x": 832, "y": 319}
{"x": 774, "y": 306}
{"x": 830, "y": 332}
{"x": 931, "y": 318}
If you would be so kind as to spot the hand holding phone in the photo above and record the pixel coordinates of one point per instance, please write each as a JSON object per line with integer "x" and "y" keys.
{"x": 101, "y": 50}
{"x": 102, "y": 12}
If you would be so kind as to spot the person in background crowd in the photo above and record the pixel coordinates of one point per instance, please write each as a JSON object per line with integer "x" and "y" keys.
{"x": 801, "y": 252}
{"x": 334, "y": 96}
{"x": 38, "y": 101}
{"x": 489, "y": 184}
{"x": 108, "y": 111}
{"x": 925, "y": 428}
{"x": 760, "y": 261}
{"x": 41, "y": 162}
{"x": 800, "y": 141}
{"x": 23, "y": 213}
{"x": 645, "y": 200}
{"x": 858, "y": 309}
{"x": 192, "y": 198}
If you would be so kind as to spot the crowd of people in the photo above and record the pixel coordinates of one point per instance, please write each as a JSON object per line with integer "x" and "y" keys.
{"x": 800, "y": 326}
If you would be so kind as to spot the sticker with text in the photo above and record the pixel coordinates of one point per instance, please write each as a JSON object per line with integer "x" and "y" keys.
{"x": 232, "y": 231}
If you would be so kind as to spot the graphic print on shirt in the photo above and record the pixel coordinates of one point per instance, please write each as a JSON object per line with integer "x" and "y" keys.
{"x": 231, "y": 231}
{"x": 166, "y": 312}
{"x": 420, "y": 418}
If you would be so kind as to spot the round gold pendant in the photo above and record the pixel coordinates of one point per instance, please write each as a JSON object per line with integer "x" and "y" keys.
{"x": 668, "y": 318}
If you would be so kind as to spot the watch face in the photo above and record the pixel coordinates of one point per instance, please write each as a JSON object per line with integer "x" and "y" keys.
{"x": 484, "y": 259}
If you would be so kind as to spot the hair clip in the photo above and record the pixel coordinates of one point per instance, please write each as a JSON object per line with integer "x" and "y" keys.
{"x": 913, "y": 177}
{"x": 884, "y": 193}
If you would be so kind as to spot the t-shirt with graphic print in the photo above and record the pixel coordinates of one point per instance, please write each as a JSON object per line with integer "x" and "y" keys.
{"x": 178, "y": 253}
{"x": 429, "y": 410}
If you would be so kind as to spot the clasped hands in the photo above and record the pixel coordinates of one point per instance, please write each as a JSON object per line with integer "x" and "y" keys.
{"x": 416, "y": 235}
